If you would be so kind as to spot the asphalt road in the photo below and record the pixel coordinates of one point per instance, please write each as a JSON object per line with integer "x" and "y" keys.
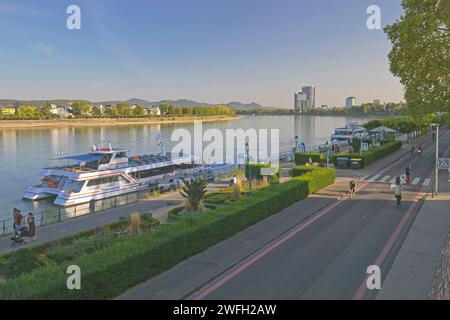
{"x": 319, "y": 251}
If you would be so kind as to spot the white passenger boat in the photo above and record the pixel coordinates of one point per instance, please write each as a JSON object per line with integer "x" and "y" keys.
{"x": 102, "y": 173}
{"x": 346, "y": 134}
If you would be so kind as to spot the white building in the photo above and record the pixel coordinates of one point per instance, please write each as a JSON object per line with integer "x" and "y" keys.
{"x": 350, "y": 102}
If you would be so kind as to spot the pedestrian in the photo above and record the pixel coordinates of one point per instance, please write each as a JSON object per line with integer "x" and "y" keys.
{"x": 412, "y": 150}
{"x": 352, "y": 188}
{"x": 18, "y": 221}
{"x": 31, "y": 226}
{"x": 14, "y": 218}
{"x": 398, "y": 194}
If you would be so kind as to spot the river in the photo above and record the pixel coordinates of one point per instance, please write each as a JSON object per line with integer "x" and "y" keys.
{"x": 23, "y": 152}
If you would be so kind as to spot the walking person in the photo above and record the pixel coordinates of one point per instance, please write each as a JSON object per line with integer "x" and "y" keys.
{"x": 412, "y": 150}
{"x": 398, "y": 194}
{"x": 31, "y": 226}
{"x": 14, "y": 217}
{"x": 18, "y": 221}
{"x": 352, "y": 188}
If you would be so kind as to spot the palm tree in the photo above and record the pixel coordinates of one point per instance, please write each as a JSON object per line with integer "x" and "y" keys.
{"x": 194, "y": 191}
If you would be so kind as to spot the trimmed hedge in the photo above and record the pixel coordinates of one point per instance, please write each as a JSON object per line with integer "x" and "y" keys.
{"x": 301, "y": 158}
{"x": 255, "y": 170}
{"x": 301, "y": 170}
{"x": 110, "y": 271}
{"x": 372, "y": 155}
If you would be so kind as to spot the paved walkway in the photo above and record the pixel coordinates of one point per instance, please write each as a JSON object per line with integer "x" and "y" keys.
{"x": 412, "y": 273}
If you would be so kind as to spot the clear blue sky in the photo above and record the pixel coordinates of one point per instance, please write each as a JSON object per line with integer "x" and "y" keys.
{"x": 208, "y": 50}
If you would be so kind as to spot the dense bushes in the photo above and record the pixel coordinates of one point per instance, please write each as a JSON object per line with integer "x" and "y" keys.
{"x": 372, "y": 155}
{"x": 302, "y": 158}
{"x": 110, "y": 271}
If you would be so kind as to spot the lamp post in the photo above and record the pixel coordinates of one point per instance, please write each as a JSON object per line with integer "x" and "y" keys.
{"x": 436, "y": 187}
{"x": 247, "y": 165}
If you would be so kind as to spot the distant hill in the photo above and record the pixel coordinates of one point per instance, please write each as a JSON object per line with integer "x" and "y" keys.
{"x": 178, "y": 103}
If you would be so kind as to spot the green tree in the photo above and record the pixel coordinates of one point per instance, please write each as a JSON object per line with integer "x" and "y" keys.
{"x": 122, "y": 109}
{"x": 45, "y": 111}
{"x": 81, "y": 109}
{"x": 28, "y": 112}
{"x": 97, "y": 112}
{"x": 420, "y": 55}
{"x": 138, "y": 111}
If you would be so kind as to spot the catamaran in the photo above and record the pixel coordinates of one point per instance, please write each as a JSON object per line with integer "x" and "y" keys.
{"x": 104, "y": 172}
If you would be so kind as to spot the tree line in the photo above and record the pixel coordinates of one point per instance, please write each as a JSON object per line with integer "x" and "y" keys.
{"x": 84, "y": 109}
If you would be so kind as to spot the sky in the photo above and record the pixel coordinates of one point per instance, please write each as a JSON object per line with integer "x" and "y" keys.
{"x": 213, "y": 51}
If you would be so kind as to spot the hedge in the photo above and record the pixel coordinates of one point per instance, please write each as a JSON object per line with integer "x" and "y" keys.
{"x": 110, "y": 271}
{"x": 302, "y": 158}
{"x": 372, "y": 155}
{"x": 255, "y": 170}
{"x": 301, "y": 170}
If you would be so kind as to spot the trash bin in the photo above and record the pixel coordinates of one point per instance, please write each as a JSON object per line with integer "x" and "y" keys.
{"x": 356, "y": 163}
{"x": 342, "y": 163}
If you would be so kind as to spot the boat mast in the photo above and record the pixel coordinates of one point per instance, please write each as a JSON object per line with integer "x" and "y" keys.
{"x": 160, "y": 142}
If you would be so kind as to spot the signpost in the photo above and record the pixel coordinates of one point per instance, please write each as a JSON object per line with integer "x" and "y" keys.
{"x": 443, "y": 163}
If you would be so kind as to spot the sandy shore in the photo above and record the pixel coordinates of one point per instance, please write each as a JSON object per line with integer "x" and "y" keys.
{"x": 17, "y": 124}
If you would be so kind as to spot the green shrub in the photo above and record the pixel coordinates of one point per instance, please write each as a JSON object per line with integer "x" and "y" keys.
{"x": 274, "y": 179}
{"x": 301, "y": 170}
{"x": 255, "y": 170}
{"x": 302, "y": 158}
{"x": 172, "y": 215}
{"x": 143, "y": 256}
{"x": 372, "y": 155}
{"x": 21, "y": 261}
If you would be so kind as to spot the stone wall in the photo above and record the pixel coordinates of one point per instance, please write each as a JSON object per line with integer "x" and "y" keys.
{"x": 441, "y": 283}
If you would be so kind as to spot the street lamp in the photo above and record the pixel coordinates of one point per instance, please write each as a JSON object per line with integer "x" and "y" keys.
{"x": 247, "y": 165}
{"x": 436, "y": 187}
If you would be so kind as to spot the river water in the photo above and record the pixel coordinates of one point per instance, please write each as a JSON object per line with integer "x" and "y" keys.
{"x": 23, "y": 152}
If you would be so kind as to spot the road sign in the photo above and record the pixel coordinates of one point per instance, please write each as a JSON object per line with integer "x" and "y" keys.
{"x": 269, "y": 171}
{"x": 443, "y": 163}
{"x": 364, "y": 147}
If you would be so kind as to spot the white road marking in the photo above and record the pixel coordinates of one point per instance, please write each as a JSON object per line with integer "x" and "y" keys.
{"x": 364, "y": 178}
{"x": 426, "y": 182}
{"x": 416, "y": 181}
{"x": 393, "y": 180}
{"x": 385, "y": 179}
{"x": 374, "y": 178}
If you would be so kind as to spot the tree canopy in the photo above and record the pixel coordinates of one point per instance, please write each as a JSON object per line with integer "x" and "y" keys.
{"x": 420, "y": 55}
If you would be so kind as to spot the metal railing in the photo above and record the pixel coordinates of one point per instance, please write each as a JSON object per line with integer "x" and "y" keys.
{"x": 59, "y": 214}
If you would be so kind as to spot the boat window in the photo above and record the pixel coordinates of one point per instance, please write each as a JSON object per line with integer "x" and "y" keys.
{"x": 105, "y": 159}
{"x": 152, "y": 172}
{"x": 105, "y": 180}
{"x": 121, "y": 154}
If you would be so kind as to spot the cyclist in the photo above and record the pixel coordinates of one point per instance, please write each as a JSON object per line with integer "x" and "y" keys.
{"x": 419, "y": 149}
{"x": 408, "y": 172}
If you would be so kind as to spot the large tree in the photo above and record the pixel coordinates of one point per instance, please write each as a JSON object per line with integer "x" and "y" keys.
{"x": 420, "y": 55}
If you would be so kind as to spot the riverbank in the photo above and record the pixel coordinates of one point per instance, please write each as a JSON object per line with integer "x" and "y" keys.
{"x": 19, "y": 124}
